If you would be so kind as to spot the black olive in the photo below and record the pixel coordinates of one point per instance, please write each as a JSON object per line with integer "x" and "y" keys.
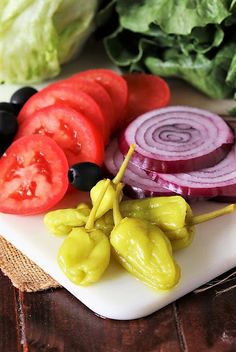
{"x": 5, "y": 143}
{"x": 8, "y": 107}
{"x": 20, "y": 97}
{"x": 8, "y": 129}
{"x": 8, "y": 123}
{"x": 83, "y": 176}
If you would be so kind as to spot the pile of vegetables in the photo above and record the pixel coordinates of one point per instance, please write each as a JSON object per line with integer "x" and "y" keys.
{"x": 141, "y": 234}
{"x": 57, "y": 136}
{"x": 37, "y": 37}
{"x": 63, "y": 135}
{"x": 191, "y": 40}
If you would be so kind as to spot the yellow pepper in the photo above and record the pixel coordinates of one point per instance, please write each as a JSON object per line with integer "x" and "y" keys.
{"x": 105, "y": 223}
{"x": 107, "y": 202}
{"x": 144, "y": 250}
{"x": 60, "y": 222}
{"x": 172, "y": 214}
{"x": 85, "y": 253}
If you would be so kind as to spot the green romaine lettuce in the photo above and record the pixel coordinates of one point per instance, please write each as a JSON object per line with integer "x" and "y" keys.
{"x": 188, "y": 39}
{"x": 173, "y": 16}
{"x": 36, "y": 37}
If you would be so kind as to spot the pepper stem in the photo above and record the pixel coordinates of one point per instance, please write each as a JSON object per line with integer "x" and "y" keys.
{"x": 124, "y": 165}
{"x": 116, "y": 209}
{"x": 90, "y": 221}
{"x": 212, "y": 215}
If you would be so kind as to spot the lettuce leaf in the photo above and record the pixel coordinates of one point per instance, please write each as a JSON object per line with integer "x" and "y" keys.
{"x": 178, "y": 17}
{"x": 36, "y": 37}
{"x": 191, "y": 40}
{"x": 205, "y": 74}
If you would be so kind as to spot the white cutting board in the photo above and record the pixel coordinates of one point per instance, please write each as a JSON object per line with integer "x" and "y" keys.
{"x": 119, "y": 295}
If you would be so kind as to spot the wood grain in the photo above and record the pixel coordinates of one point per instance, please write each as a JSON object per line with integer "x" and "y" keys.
{"x": 81, "y": 330}
{"x": 8, "y": 316}
{"x": 55, "y": 321}
{"x": 208, "y": 320}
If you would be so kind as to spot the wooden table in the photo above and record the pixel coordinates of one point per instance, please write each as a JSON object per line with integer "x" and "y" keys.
{"x": 55, "y": 321}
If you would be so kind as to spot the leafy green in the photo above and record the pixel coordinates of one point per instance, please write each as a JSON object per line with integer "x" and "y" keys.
{"x": 194, "y": 40}
{"x": 36, "y": 37}
{"x": 178, "y": 17}
{"x": 207, "y": 75}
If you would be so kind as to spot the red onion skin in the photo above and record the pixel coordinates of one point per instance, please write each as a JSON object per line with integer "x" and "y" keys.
{"x": 133, "y": 179}
{"x": 180, "y": 165}
{"x": 232, "y": 197}
{"x": 160, "y": 166}
{"x": 216, "y": 191}
{"x": 204, "y": 189}
{"x": 186, "y": 191}
{"x": 137, "y": 185}
{"x": 136, "y": 192}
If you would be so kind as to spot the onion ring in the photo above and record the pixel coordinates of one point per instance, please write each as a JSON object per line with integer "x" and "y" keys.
{"x": 177, "y": 139}
{"x": 138, "y": 184}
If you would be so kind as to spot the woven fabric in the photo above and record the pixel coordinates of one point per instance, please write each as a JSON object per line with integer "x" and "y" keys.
{"x": 23, "y": 273}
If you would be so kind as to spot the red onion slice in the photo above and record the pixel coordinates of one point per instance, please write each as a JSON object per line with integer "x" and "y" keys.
{"x": 137, "y": 183}
{"x": 232, "y": 197}
{"x": 177, "y": 139}
{"x": 216, "y": 181}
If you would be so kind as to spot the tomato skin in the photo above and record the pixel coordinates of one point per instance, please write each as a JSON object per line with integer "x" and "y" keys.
{"x": 72, "y": 97}
{"x": 146, "y": 92}
{"x": 78, "y": 137}
{"x": 115, "y": 86}
{"x": 33, "y": 176}
{"x": 95, "y": 91}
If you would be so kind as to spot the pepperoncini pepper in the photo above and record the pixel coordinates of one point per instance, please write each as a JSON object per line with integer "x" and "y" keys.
{"x": 60, "y": 222}
{"x": 191, "y": 221}
{"x": 143, "y": 249}
{"x": 172, "y": 214}
{"x": 85, "y": 253}
{"x": 107, "y": 201}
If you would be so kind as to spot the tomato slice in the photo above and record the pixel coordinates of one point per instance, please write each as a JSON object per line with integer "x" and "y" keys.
{"x": 146, "y": 92}
{"x": 94, "y": 90}
{"x": 72, "y": 97}
{"x": 33, "y": 176}
{"x": 78, "y": 137}
{"x": 116, "y": 87}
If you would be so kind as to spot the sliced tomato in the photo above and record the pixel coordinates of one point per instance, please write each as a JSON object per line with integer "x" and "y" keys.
{"x": 72, "y": 97}
{"x": 94, "y": 90}
{"x": 146, "y": 92}
{"x": 78, "y": 137}
{"x": 33, "y": 176}
{"x": 116, "y": 87}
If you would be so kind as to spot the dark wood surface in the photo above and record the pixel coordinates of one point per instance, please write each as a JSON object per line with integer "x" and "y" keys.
{"x": 54, "y": 321}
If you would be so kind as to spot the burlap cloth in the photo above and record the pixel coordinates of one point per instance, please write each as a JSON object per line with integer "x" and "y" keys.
{"x": 23, "y": 273}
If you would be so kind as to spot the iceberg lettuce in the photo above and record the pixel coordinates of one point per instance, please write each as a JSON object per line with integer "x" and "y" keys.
{"x": 37, "y": 37}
